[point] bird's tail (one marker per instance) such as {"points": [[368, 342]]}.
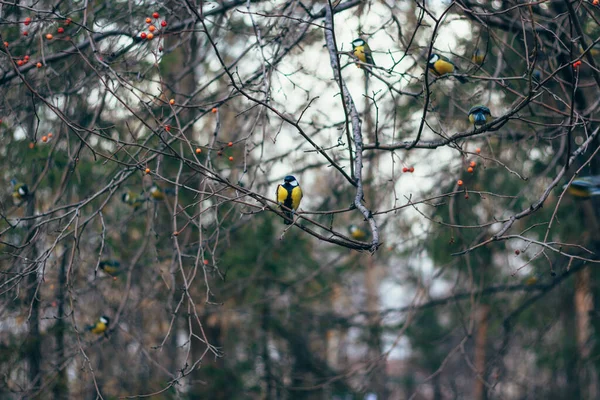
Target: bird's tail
{"points": [[169, 191], [289, 219]]}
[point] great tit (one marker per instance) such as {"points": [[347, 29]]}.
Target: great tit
{"points": [[362, 51], [478, 57], [584, 187], [99, 326], [479, 115], [132, 199], [357, 233], [159, 194], [111, 267], [440, 65], [20, 191], [289, 195]]}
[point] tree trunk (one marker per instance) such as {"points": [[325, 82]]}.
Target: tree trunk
{"points": [[480, 345], [60, 390]]}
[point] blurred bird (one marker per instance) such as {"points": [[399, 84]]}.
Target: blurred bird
{"points": [[478, 57], [357, 233], [111, 267], [159, 194], [133, 200], [362, 51], [584, 187], [530, 281], [20, 191], [289, 195], [99, 326], [479, 115], [440, 65], [536, 75]]}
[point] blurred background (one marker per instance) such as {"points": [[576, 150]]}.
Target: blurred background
{"points": [[142, 252]]}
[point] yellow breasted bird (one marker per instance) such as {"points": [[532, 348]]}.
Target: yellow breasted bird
{"points": [[478, 57], [99, 326], [159, 194], [440, 65], [20, 191], [111, 267], [357, 233], [289, 195], [584, 187], [362, 51], [479, 115], [132, 199]]}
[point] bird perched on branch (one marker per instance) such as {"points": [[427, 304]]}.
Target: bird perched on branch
{"points": [[478, 57], [99, 326], [289, 195], [357, 233], [362, 51], [20, 191], [132, 199], [584, 187], [479, 115], [440, 65], [159, 194], [111, 267]]}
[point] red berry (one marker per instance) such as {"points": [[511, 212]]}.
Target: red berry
{"points": [[517, 252], [25, 33], [411, 169], [148, 20], [163, 24], [460, 182], [20, 62], [404, 169], [68, 21], [230, 158], [61, 30], [205, 262], [39, 65], [151, 28], [27, 21], [214, 110], [470, 170], [143, 35], [49, 36], [230, 144], [168, 128], [219, 153], [150, 36], [155, 15], [472, 164], [5, 44], [478, 150]]}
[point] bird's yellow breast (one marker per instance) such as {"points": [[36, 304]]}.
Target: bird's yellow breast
{"points": [[296, 197], [578, 192], [100, 327], [359, 52], [441, 67]]}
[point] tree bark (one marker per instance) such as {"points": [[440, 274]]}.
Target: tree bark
{"points": [[480, 355]]}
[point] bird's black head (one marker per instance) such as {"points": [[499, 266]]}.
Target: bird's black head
{"points": [[104, 319], [433, 59], [357, 42], [290, 180]]}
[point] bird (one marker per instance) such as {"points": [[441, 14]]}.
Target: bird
{"points": [[99, 326], [478, 57], [357, 233], [133, 200], [111, 267], [159, 194], [20, 191], [362, 51], [479, 115], [584, 187], [289, 195], [440, 65]]}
